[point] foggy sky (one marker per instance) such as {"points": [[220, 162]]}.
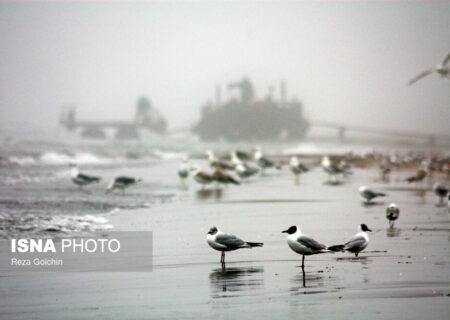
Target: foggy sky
{"points": [[347, 62]]}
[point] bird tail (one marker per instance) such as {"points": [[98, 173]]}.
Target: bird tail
{"points": [[235, 181], [411, 179], [96, 179], [337, 248], [381, 194], [255, 244]]}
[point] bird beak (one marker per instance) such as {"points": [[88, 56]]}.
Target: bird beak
{"points": [[285, 231], [369, 230]]}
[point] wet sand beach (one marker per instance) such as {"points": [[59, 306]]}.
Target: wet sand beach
{"points": [[403, 273]]}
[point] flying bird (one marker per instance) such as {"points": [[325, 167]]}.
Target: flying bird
{"points": [[392, 214], [357, 243], [442, 69], [81, 179], [302, 244], [121, 183], [221, 241]]}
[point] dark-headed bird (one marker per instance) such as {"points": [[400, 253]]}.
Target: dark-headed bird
{"points": [[441, 191], [302, 244], [81, 179], [221, 241], [357, 243], [121, 183]]}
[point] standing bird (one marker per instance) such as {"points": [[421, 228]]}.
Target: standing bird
{"points": [[201, 177], [221, 241], [441, 191], [81, 179], [218, 164], [302, 244], [442, 69], [243, 170], [262, 161], [357, 243], [121, 183], [418, 177], [297, 168], [368, 194], [183, 171], [392, 214], [330, 168]]}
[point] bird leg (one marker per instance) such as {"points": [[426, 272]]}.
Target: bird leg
{"points": [[303, 262], [222, 258], [297, 179]]}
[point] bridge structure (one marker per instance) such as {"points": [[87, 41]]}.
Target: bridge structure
{"points": [[343, 129]]}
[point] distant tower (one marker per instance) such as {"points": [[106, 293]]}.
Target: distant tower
{"points": [[218, 95], [283, 93], [142, 111]]}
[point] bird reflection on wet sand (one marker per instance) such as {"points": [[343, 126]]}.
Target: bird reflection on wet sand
{"points": [[393, 232], [209, 194], [307, 280], [225, 281]]}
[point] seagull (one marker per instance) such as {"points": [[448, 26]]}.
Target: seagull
{"points": [[330, 168], [216, 163], [121, 183], [368, 194], [441, 191], [442, 69], [418, 177], [81, 179], [223, 177], [297, 168], [385, 170], [201, 177], [357, 243], [221, 241], [243, 170], [183, 171], [392, 213], [303, 244], [262, 161]]}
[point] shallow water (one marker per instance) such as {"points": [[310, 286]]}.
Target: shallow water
{"points": [[404, 272]]}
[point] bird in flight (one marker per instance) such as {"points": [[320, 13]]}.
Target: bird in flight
{"points": [[442, 69]]}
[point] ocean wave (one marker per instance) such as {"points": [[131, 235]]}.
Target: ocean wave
{"points": [[51, 226], [53, 158]]}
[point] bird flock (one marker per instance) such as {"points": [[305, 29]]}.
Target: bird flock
{"points": [[336, 171]]}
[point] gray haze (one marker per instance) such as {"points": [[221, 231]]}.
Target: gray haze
{"points": [[348, 62]]}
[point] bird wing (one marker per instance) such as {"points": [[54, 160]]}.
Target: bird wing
{"points": [[230, 241], [87, 178], [125, 180], [310, 243], [420, 76], [355, 242], [446, 60]]}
